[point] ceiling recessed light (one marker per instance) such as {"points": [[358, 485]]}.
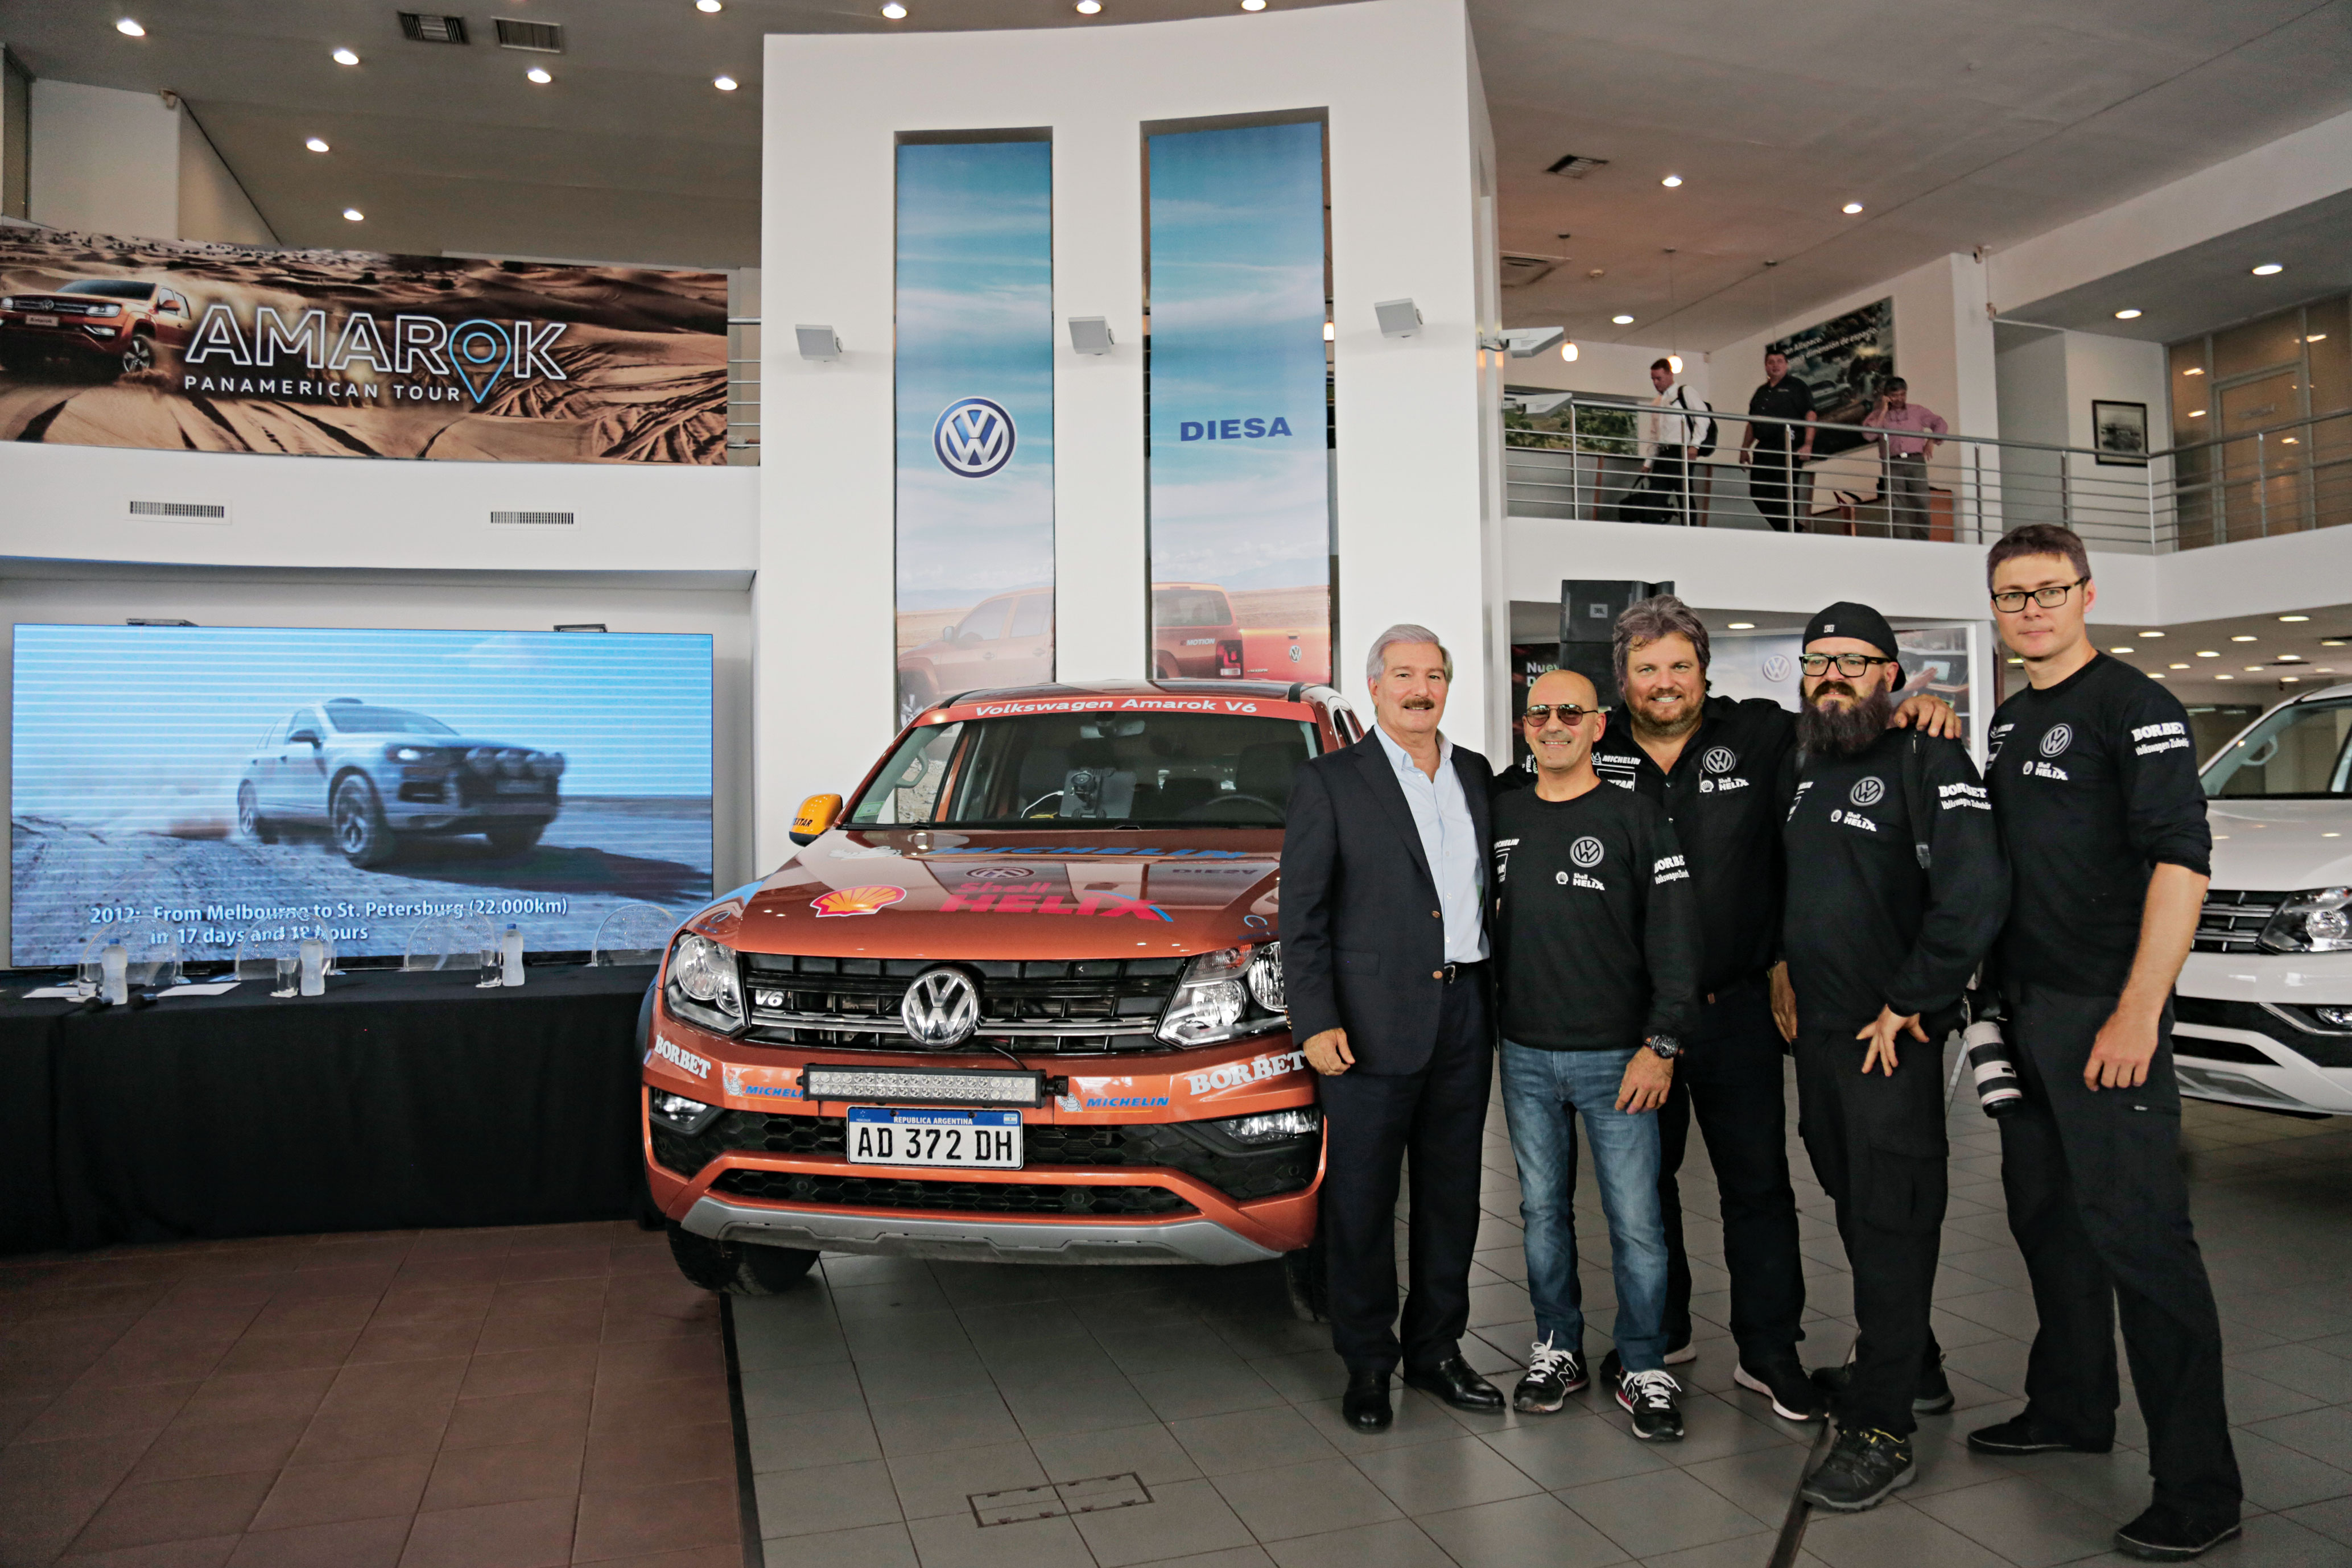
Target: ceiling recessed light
{"points": [[2331, 642], [2290, 659], [2295, 617], [895, 11], [130, 29], [2243, 636], [2017, 661], [2156, 675], [2130, 315], [2123, 650], [2176, 666], [1088, 7], [1743, 626], [1252, 5], [345, 58], [1671, 181], [1851, 208], [723, 83], [2225, 678], [2253, 670], [2268, 269], [2290, 681], [316, 144], [353, 215], [1623, 321], [2151, 633], [708, 7], [2194, 370], [2207, 652], [539, 74]]}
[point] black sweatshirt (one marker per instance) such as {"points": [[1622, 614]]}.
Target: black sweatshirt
{"points": [[1866, 924], [1724, 800], [2094, 785], [1596, 922]]}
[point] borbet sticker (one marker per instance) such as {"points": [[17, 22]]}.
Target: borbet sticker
{"points": [[684, 1060], [747, 1082], [1232, 1074], [982, 898], [866, 900]]}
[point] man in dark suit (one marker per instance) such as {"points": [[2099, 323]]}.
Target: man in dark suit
{"points": [[1383, 835]]}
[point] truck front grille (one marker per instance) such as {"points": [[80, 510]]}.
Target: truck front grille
{"points": [[965, 1197], [2232, 920], [1088, 1005]]}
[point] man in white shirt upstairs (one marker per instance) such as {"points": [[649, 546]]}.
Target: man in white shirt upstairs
{"points": [[1668, 446]]}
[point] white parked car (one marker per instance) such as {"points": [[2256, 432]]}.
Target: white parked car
{"points": [[2264, 1010]]}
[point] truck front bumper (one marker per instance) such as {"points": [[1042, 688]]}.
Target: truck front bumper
{"points": [[973, 1239]]}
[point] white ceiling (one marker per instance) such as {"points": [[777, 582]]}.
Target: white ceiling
{"points": [[1962, 124]]}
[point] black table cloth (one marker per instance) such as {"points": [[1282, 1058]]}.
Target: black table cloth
{"points": [[393, 1101], [29, 1219]]}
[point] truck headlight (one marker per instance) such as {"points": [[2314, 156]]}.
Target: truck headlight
{"points": [[1227, 996], [702, 985], [2314, 920]]}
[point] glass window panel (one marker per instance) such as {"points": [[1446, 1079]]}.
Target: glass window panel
{"points": [[2257, 345]]}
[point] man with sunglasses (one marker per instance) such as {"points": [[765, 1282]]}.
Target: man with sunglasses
{"points": [[2094, 787], [1597, 947], [1896, 892]]}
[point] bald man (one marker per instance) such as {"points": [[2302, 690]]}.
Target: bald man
{"points": [[1597, 945]]}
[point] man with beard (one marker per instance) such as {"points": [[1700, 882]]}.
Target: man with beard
{"points": [[1896, 890], [1716, 766]]}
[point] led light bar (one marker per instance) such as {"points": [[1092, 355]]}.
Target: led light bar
{"points": [[924, 1086]]}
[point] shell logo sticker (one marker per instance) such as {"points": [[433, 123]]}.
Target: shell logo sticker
{"points": [[864, 901]]}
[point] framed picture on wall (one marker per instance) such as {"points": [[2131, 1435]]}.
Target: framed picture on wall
{"points": [[2119, 434]]}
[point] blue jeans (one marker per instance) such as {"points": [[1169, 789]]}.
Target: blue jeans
{"points": [[1543, 1092]]}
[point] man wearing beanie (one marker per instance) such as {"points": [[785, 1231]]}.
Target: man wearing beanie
{"points": [[1896, 890]]}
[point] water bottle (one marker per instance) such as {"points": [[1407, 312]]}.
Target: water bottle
{"points": [[114, 964], [510, 956], [314, 966]]}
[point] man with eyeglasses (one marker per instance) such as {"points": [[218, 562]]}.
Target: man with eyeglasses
{"points": [[1896, 891], [1597, 949], [2094, 787]]}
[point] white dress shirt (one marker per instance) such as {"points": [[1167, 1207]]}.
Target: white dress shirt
{"points": [[1449, 839]]}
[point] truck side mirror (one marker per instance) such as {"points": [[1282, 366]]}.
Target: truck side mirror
{"points": [[818, 813]]}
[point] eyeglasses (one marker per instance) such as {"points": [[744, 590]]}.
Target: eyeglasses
{"points": [[1541, 713], [2011, 601], [1847, 663]]}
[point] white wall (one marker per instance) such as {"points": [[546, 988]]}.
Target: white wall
{"points": [[2047, 383], [212, 205], [1396, 79], [104, 160]]}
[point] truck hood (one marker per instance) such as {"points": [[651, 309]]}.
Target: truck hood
{"points": [[941, 894], [2281, 846]]}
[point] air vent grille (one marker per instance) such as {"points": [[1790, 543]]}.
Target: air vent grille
{"points": [[530, 518], [1518, 271], [421, 27], [543, 38], [180, 510], [1575, 166]]}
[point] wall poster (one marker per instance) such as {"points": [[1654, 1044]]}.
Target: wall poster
{"points": [[1844, 359], [975, 416], [1240, 497], [189, 345]]}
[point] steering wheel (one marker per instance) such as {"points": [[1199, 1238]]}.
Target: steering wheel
{"points": [[1226, 800], [1050, 795]]}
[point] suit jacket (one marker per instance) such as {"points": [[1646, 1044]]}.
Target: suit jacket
{"points": [[1360, 950]]}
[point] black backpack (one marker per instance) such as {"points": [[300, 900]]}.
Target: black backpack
{"points": [[1682, 401]]}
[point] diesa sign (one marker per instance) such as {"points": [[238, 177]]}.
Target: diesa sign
{"points": [[1231, 430]]}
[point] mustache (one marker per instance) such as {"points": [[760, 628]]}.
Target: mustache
{"points": [[1830, 689], [1416, 704]]}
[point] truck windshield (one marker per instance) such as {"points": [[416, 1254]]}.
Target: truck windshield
{"points": [[1105, 769], [110, 288], [360, 718], [2301, 753]]}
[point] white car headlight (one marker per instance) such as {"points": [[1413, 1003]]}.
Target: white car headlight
{"points": [[2318, 919], [1227, 996], [703, 985]]}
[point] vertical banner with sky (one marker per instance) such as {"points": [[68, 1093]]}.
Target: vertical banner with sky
{"points": [[975, 416], [1240, 493]]}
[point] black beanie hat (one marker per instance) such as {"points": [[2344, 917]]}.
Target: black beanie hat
{"points": [[1848, 619]]}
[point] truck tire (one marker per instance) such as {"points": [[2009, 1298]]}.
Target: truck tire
{"points": [[1305, 1272], [355, 818], [737, 1268]]}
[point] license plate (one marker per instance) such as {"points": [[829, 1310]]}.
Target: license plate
{"points": [[967, 1139], [40, 321]]}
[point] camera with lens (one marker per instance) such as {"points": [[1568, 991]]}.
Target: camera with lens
{"points": [[1988, 1056]]}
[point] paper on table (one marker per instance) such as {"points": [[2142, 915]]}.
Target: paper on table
{"points": [[214, 989], [39, 993]]}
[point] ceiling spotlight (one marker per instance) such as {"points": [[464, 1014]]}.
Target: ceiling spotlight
{"points": [[2156, 675], [708, 7], [130, 29], [2331, 642], [1851, 208], [352, 214], [1088, 7], [2295, 617], [1623, 321], [2268, 269], [2207, 652], [1329, 332], [895, 11], [1568, 352], [2123, 650], [1252, 5], [2151, 633], [345, 58], [2243, 636], [316, 144], [1743, 626], [1674, 364], [539, 74], [723, 83], [2130, 315], [1671, 181], [2225, 678], [2176, 666]]}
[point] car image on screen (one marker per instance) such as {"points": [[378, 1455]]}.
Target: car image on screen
{"points": [[371, 774]]}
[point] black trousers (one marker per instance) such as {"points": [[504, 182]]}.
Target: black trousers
{"points": [[2098, 1206], [1433, 1121], [1663, 496], [1878, 1149], [1769, 484], [1730, 1076]]}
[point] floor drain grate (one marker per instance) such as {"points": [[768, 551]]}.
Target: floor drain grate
{"points": [[1093, 1495]]}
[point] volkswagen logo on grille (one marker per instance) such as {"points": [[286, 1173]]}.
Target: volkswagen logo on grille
{"points": [[941, 1007], [973, 438]]}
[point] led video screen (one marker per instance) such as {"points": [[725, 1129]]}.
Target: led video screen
{"points": [[261, 784]]}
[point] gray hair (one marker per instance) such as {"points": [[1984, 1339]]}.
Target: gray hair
{"points": [[1402, 632], [1647, 620]]}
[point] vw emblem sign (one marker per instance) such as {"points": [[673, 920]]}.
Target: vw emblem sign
{"points": [[973, 438], [2057, 739], [941, 1007]]}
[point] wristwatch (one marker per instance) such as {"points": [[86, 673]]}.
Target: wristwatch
{"points": [[1664, 1047]]}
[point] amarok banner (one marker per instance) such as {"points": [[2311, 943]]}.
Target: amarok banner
{"points": [[188, 345]]}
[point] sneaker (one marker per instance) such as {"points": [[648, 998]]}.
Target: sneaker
{"points": [[1653, 1399], [1793, 1397], [1682, 1354], [1554, 1372], [2029, 1433], [2163, 1535], [1934, 1398], [1865, 1465]]}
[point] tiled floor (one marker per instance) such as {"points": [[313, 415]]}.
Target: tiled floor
{"points": [[880, 1398], [452, 1399]]}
